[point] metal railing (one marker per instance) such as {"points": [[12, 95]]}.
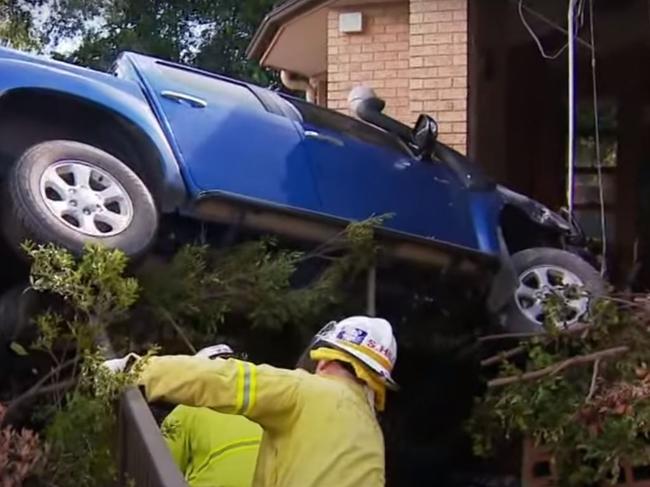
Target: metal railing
{"points": [[144, 459]]}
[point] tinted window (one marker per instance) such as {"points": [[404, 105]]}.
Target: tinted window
{"points": [[198, 83], [331, 120]]}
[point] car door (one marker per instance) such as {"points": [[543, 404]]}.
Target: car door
{"points": [[362, 171], [228, 142]]}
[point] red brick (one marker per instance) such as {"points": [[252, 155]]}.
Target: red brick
{"points": [[437, 17], [460, 60], [424, 72], [373, 47], [416, 40], [397, 83], [383, 74], [451, 71], [459, 82], [344, 76], [438, 38], [456, 26], [362, 57], [452, 93], [452, 4], [453, 116], [371, 66], [397, 66], [437, 83], [438, 60], [429, 50], [398, 28], [422, 28], [397, 46], [384, 38], [459, 128], [386, 56]]}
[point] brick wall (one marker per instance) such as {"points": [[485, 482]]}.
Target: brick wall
{"points": [[438, 65], [414, 54], [377, 57]]}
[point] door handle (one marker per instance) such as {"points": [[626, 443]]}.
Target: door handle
{"points": [[312, 134], [193, 101]]}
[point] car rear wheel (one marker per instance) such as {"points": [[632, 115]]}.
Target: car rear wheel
{"points": [[71, 194], [545, 274]]}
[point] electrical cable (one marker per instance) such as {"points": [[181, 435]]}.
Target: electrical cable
{"points": [[599, 166], [579, 16], [530, 30]]}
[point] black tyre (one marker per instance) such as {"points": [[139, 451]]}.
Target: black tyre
{"points": [[71, 194], [542, 271], [18, 306]]}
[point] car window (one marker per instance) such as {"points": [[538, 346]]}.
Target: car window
{"points": [[328, 119], [200, 83]]}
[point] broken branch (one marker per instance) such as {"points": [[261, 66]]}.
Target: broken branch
{"points": [[500, 357], [505, 336], [506, 354], [34, 392], [557, 368], [594, 378], [179, 331]]}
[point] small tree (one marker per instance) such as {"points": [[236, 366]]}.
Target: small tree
{"points": [[198, 292]]}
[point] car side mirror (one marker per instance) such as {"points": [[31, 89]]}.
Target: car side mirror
{"points": [[425, 134]]}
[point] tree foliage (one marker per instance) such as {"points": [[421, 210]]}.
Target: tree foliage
{"points": [[210, 34], [582, 393], [248, 287], [254, 283], [17, 23]]}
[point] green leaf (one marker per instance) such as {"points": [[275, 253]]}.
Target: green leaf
{"points": [[18, 349]]}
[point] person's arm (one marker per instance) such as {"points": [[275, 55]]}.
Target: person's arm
{"points": [[264, 394], [174, 429]]}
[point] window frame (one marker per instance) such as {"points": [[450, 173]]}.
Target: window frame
{"points": [[394, 143], [213, 76]]}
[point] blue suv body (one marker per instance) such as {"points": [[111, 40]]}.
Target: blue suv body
{"points": [[217, 149]]}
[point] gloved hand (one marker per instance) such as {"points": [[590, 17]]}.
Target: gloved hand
{"points": [[117, 365]]}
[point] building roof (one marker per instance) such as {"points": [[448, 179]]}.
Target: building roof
{"points": [[280, 14]]}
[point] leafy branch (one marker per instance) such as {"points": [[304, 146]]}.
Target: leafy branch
{"points": [[591, 419], [558, 367]]}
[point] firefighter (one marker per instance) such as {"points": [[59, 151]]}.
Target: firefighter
{"points": [[213, 449], [320, 429]]}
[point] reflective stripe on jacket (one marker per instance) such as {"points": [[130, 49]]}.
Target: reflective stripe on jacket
{"points": [[319, 431], [213, 449]]}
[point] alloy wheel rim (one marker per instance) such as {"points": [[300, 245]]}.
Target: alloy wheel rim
{"points": [[86, 198], [537, 284]]}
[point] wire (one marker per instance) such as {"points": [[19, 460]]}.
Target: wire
{"points": [[579, 16], [599, 165], [530, 30]]}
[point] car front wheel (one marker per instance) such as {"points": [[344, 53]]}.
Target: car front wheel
{"points": [[547, 275], [71, 194]]}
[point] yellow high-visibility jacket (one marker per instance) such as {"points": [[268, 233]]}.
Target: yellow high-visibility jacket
{"points": [[319, 431], [213, 449]]}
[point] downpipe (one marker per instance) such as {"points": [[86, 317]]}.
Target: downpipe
{"points": [[298, 83]]}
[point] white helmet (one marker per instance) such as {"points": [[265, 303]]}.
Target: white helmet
{"points": [[215, 351], [368, 339]]}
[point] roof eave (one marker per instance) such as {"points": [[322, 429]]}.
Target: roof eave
{"points": [[272, 23]]}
